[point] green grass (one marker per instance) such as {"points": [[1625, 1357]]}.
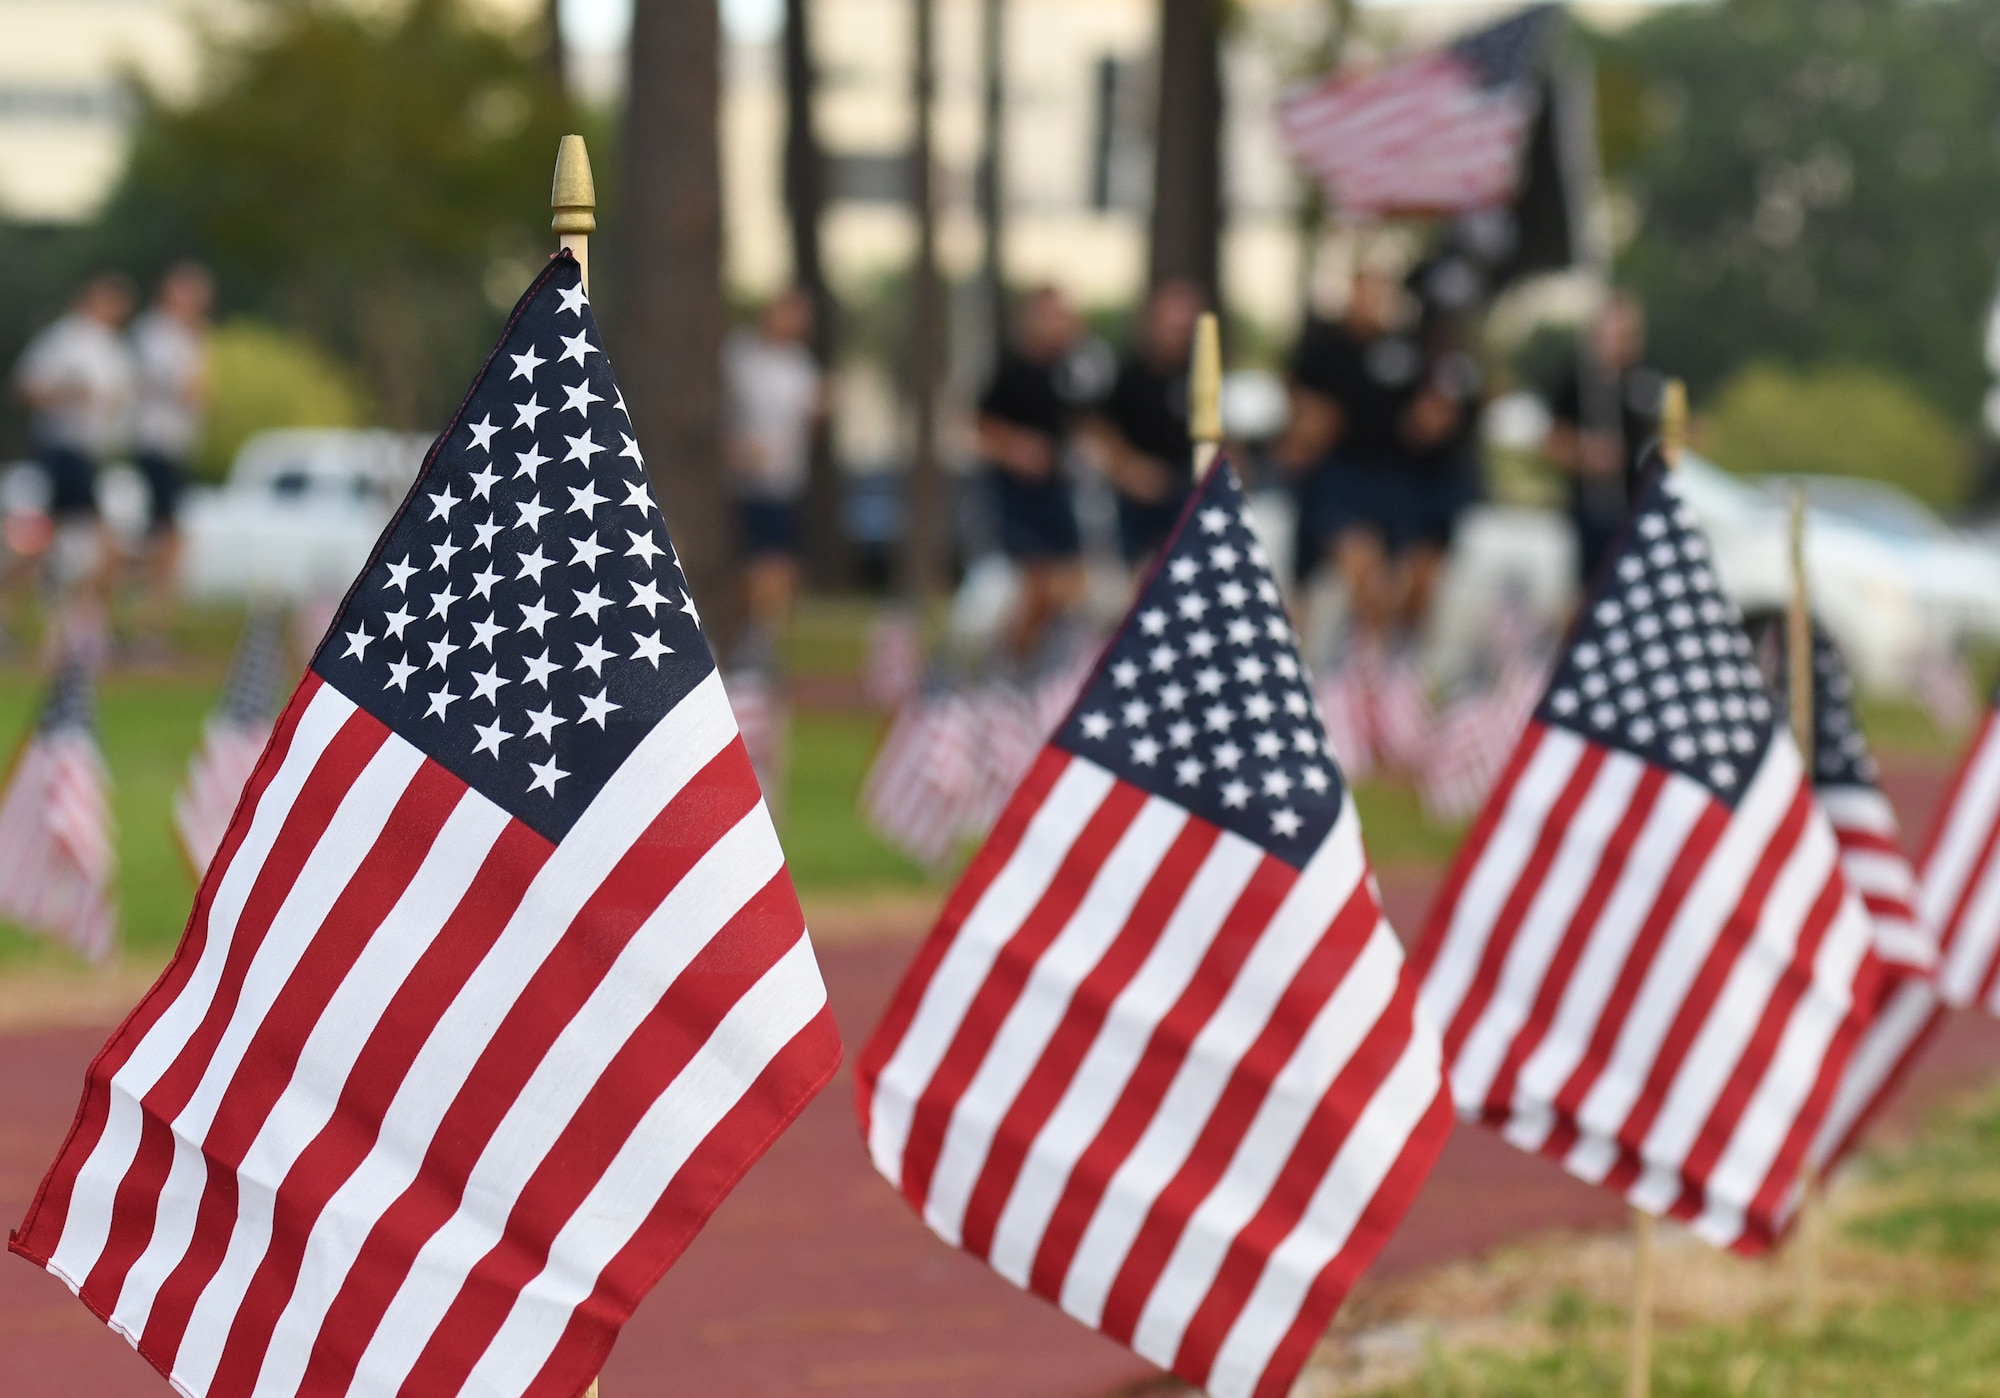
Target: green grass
{"points": [[1921, 1247]]}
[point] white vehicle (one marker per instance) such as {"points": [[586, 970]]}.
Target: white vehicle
{"points": [[298, 515], [1894, 583]]}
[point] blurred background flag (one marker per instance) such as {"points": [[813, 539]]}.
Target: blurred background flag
{"points": [[56, 852], [1646, 961], [233, 739], [498, 982], [1872, 858], [1959, 881], [1442, 132], [1159, 1061]]}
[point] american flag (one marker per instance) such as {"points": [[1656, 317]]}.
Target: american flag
{"points": [[497, 982], [56, 853], [1959, 876], [1159, 1061], [757, 699], [1442, 132], [233, 739], [1871, 856], [1645, 960]]}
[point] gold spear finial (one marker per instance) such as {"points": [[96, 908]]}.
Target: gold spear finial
{"points": [[574, 202], [1205, 382], [1673, 420]]}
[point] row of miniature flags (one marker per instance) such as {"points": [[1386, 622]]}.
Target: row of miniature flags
{"points": [[496, 980]]}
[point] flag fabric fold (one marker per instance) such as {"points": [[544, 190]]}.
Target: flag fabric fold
{"points": [[497, 981], [1159, 1061], [1645, 961], [57, 856], [1870, 839], [1959, 876]]}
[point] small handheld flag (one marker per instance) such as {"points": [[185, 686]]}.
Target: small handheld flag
{"points": [[56, 853], [233, 740], [1871, 857], [497, 982], [1159, 1061], [1646, 962]]}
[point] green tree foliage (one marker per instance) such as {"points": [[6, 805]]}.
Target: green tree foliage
{"points": [[261, 377], [1815, 181], [372, 177], [1843, 420]]}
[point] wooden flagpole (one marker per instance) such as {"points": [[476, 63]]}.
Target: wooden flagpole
{"points": [[573, 203], [1205, 394], [1645, 1263], [1799, 671]]}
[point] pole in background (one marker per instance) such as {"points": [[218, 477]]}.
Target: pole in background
{"points": [[1645, 1260], [1205, 394], [1799, 672], [573, 201], [924, 529]]}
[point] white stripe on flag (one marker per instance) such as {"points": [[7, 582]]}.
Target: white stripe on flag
{"points": [[993, 921], [1024, 1034]]}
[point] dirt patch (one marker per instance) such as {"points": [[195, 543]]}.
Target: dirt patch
{"points": [[61, 998], [872, 918]]}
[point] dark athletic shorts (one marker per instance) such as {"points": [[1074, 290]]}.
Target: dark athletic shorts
{"points": [[165, 478], [768, 527], [1037, 518], [72, 480]]}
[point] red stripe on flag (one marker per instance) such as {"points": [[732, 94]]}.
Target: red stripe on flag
{"points": [[1527, 887], [1576, 939], [358, 740], [752, 1123], [268, 1061], [985, 867], [1315, 982], [39, 1233], [372, 1083], [1157, 1067], [674, 1030], [699, 814], [1056, 1068], [1002, 986]]}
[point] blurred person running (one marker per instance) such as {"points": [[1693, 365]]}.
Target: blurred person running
{"points": [[1599, 436], [1141, 425], [77, 379], [170, 354], [776, 396], [1352, 382], [1025, 418], [1440, 430]]}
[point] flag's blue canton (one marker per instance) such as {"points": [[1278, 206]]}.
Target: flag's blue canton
{"points": [[1840, 754], [1511, 50], [71, 701], [1201, 698], [1659, 664], [524, 622]]}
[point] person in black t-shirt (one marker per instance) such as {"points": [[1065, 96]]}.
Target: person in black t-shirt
{"points": [[1142, 424], [1024, 423], [1599, 436], [1440, 465], [1352, 384]]}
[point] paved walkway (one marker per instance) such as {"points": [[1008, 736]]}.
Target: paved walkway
{"points": [[813, 1278]]}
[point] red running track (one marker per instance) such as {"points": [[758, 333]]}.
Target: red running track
{"points": [[814, 1278]]}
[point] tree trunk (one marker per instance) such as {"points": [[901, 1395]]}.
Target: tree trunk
{"points": [[555, 54], [993, 170], [1187, 157], [805, 205], [926, 533], [668, 291]]}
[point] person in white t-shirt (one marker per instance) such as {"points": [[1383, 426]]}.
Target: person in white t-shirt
{"points": [[776, 398], [170, 353], [76, 377]]}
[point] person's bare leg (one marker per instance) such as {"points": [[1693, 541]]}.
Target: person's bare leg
{"points": [[1363, 565], [1422, 566], [770, 582]]}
